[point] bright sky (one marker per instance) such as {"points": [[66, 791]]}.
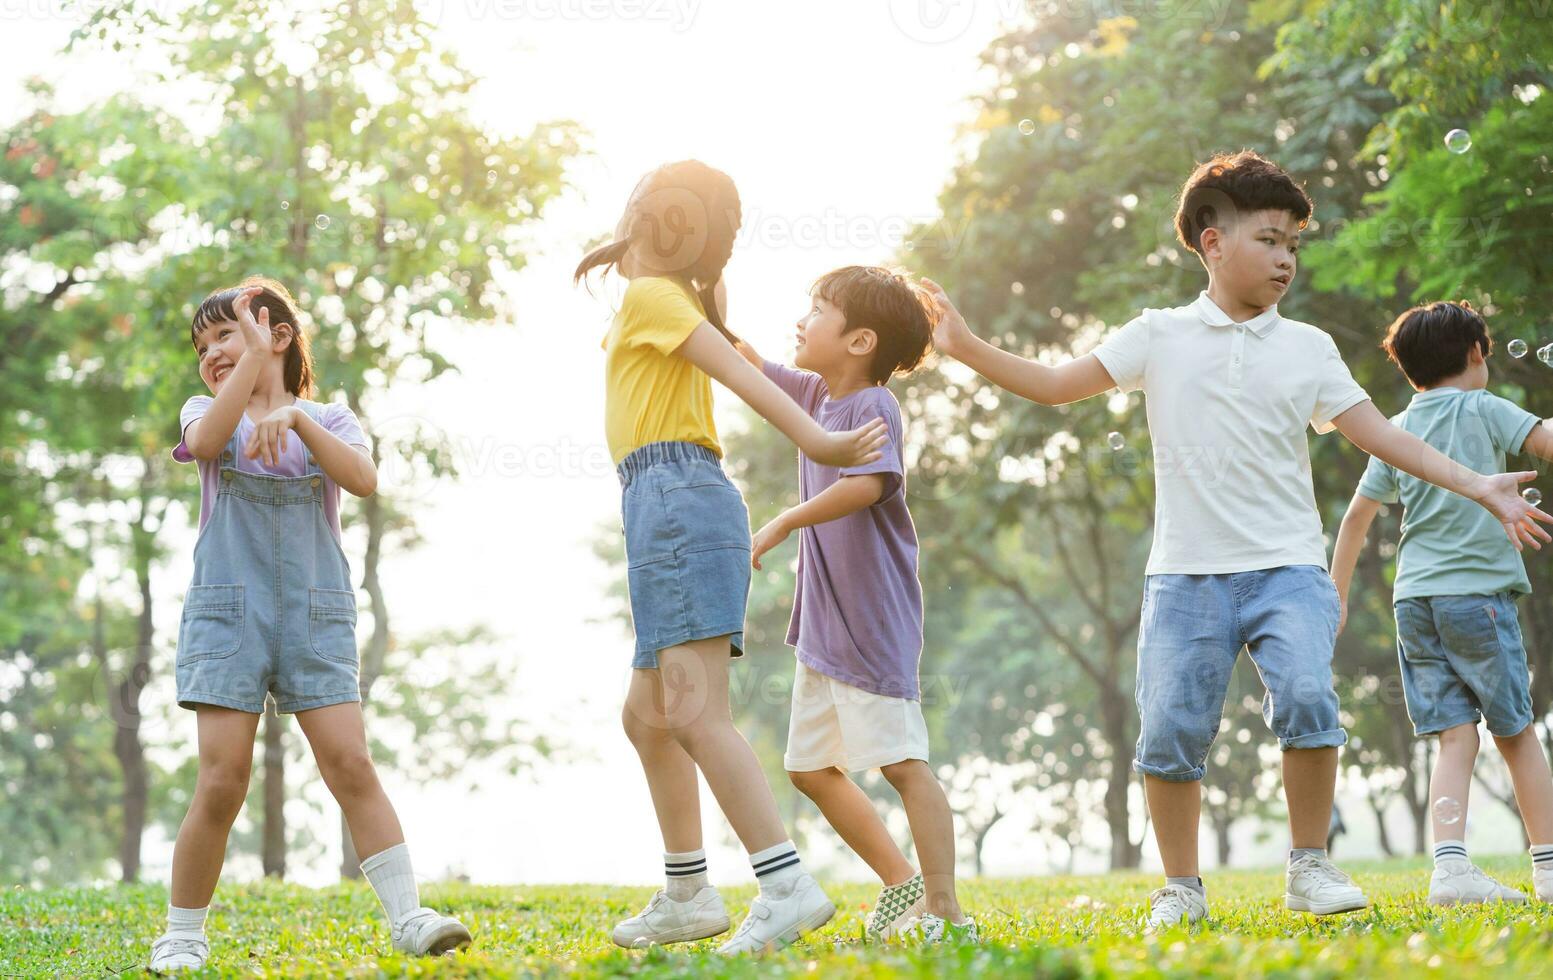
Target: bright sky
{"points": [[839, 123]]}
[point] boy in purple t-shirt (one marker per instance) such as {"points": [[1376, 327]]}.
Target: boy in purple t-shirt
{"points": [[857, 612]]}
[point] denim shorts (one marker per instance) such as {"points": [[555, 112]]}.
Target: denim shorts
{"points": [[1463, 659], [1192, 630], [687, 538]]}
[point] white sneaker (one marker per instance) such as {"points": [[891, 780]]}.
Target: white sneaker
{"points": [[773, 923], [174, 952], [427, 932], [1542, 883], [1315, 885], [666, 921], [930, 928], [1169, 905], [1457, 881]]}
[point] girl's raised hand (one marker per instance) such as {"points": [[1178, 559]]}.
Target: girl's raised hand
{"points": [[855, 448], [256, 334], [951, 330], [269, 436]]}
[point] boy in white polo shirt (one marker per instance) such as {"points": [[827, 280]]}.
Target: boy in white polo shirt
{"points": [[1238, 558]]}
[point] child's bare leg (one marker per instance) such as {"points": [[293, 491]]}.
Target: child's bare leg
{"points": [[694, 681], [1309, 780], [932, 830], [338, 738], [1533, 782], [849, 810], [1176, 809], [1452, 779], [225, 758], [671, 773]]}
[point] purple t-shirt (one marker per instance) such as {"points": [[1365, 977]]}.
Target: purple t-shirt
{"points": [[857, 611], [335, 418]]}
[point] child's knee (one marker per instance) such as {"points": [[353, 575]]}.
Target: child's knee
{"points": [[349, 772], [221, 789], [1462, 738], [812, 781], [906, 773]]}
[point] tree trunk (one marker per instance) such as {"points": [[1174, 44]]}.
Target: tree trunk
{"points": [[1113, 726], [1222, 824], [1378, 805], [273, 854]]}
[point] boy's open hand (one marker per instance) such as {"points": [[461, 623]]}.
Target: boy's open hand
{"points": [[1502, 496], [854, 448], [767, 538], [951, 331], [256, 335]]}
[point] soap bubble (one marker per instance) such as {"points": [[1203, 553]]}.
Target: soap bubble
{"points": [[1447, 810], [1545, 355], [1516, 348], [1458, 141], [490, 176], [1116, 441], [1026, 126], [285, 205], [321, 222], [1532, 496]]}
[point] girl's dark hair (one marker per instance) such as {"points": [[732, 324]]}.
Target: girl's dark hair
{"points": [[1430, 342], [899, 312], [684, 215], [1230, 185], [218, 308]]}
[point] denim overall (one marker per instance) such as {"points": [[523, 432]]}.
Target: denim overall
{"points": [[270, 609]]}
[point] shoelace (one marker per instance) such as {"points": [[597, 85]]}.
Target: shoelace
{"points": [[1169, 900], [1325, 871], [173, 945]]}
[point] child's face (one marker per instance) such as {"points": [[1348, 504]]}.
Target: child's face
{"points": [[822, 345], [218, 347], [1255, 257]]}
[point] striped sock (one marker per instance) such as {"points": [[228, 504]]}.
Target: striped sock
{"points": [[686, 874], [777, 868], [1542, 857], [1449, 850]]}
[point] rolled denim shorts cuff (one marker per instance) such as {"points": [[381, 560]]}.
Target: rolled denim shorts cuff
{"points": [[1435, 727], [1515, 729], [1316, 740], [1189, 776]]}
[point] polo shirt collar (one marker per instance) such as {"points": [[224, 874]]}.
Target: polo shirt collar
{"points": [[1262, 324]]}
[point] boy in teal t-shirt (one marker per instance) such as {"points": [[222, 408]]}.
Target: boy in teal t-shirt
{"points": [[1457, 582]]}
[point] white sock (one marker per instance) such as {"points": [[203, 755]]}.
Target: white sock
{"points": [[1542, 857], [777, 869], [1450, 850], [685, 873], [391, 877], [186, 922]]}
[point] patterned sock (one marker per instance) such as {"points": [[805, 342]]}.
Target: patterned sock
{"points": [[685, 872], [1449, 850], [777, 869], [1193, 882], [1542, 857], [892, 903], [1298, 852], [186, 922], [392, 878]]}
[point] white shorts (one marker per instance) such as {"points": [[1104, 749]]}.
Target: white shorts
{"points": [[838, 725]]}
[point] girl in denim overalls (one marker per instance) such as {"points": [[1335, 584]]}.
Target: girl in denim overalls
{"points": [[687, 540], [271, 611]]}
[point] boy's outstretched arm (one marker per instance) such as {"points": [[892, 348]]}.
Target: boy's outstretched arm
{"points": [[1366, 428], [1071, 381], [1350, 541], [1540, 441], [846, 496]]}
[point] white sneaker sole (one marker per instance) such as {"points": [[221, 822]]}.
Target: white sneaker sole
{"points": [[1447, 902], [684, 934], [1299, 903], [448, 939]]}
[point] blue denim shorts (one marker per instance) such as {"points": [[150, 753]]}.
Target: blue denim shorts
{"points": [[1192, 630], [1463, 659], [687, 537]]}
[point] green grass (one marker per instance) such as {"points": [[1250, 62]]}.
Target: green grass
{"points": [[1062, 927]]}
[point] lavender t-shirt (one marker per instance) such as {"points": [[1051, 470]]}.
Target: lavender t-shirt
{"points": [[335, 418], [857, 611]]}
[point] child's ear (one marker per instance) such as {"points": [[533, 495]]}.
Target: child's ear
{"points": [[280, 336], [862, 341], [1211, 243]]}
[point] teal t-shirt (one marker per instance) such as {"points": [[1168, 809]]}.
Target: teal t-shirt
{"points": [[1452, 545]]}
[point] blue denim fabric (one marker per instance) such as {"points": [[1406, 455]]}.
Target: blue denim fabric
{"points": [[1463, 659]]}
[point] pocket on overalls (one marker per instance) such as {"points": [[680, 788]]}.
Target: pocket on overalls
{"points": [[212, 624], [331, 624]]}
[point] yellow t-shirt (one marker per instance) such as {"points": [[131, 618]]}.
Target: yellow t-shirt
{"points": [[650, 395]]}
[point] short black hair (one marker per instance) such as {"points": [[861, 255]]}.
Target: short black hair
{"points": [[1430, 342], [900, 312], [1231, 184]]}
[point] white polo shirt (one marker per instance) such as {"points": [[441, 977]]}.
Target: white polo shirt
{"points": [[1227, 405]]}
